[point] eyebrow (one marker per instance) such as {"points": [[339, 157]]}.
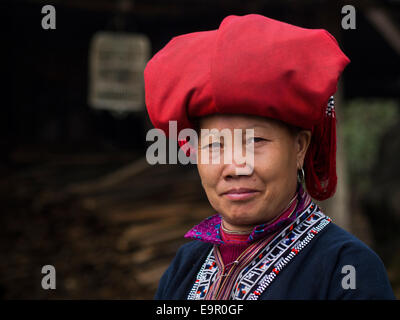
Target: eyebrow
{"points": [[247, 127], [252, 126], [268, 126], [209, 132]]}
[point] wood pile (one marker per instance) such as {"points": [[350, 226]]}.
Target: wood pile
{"points": [[110, 227]]}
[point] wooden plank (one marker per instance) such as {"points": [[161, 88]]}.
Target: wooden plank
{"points": [[134, 233], [151, 212], [165, 236], [151, 277]]}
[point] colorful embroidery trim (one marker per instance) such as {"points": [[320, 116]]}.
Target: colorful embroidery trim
{"points": [[251, 278]]}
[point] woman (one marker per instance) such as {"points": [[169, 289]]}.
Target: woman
{"points": [[268, 239]]}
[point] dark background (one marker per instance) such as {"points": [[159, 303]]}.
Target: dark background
{"points": [[74, 190]]}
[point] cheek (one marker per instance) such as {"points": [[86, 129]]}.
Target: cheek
{"points": [[274, 163], [209, 175]]}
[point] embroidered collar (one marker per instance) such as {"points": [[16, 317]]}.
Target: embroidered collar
{"points": [[209, 229]]}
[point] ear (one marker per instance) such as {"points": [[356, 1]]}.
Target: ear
{"points": [[302, 141]]}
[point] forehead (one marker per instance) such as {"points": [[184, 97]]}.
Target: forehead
{"points": [[224, 121]]}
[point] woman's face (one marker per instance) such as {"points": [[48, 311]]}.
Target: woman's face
{"points": [[260, 195]]}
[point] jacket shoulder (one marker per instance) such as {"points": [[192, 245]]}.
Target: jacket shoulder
{"points": [[176, 280], [355, 270]]}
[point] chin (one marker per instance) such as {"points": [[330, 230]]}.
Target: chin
{"points": [[241, 218]]}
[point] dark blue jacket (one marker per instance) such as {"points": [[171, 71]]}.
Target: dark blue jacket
{"points": [[315, 273]]}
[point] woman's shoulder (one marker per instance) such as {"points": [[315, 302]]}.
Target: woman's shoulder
{"points": [[193, 248], [336, 243], [337, 239], [177, 279], [195, 245], [354, 269], [188, 255]]}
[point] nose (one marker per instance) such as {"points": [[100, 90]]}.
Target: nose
{"points": [[236, 170], [238, 165]]}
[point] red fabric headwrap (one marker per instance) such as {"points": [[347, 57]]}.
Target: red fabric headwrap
{"points": [[253, 65], [320, 160]]}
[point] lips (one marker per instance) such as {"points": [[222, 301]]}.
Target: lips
{"points": [[240, 194]]}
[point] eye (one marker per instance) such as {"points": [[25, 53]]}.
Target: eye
{"points": [[255, 140], [213, 145]]}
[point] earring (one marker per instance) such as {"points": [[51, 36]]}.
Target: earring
{"points": [[300, 175]]}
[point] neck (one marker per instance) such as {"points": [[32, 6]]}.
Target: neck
{"points": [[241, 231]]}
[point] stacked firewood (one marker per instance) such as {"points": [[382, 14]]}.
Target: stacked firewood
{"points": [[109, 235]]}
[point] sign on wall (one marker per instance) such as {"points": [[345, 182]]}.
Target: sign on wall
{"points": [[116, 64]]}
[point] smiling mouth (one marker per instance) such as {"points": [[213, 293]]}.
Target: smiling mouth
{"points": [[240, 194]]}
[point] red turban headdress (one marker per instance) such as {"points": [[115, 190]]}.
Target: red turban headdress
{"points": [[258, 66]]}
